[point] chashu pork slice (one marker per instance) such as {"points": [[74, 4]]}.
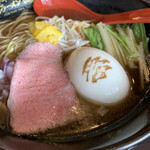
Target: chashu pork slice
{"points": [[41, 95]]}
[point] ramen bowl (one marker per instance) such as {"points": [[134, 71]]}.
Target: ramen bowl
{"points": [[127, 132]]}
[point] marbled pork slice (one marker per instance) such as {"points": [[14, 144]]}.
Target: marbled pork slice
{"points": [[41, 95]]}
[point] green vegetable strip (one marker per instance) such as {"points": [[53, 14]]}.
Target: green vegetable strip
{"points": [[119, 56], [126, 43], [140, 35], [126, 48], [143, 62], [122, 54], [131, 41], [109, 48], [94, 37]]}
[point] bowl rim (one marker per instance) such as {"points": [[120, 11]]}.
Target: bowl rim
{"points": [[132, 141]]}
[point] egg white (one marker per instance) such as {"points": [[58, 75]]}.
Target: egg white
{"points": [[103, 81]]}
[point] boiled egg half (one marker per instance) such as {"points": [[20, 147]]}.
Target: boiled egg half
{"points": [[97, 76]]}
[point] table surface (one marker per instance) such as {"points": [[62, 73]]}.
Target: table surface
{"points": [[143, 146]]}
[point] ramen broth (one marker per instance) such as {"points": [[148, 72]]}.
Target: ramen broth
{"points": [[96, 116]]}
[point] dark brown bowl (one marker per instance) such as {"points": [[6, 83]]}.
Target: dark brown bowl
{"points": [[127, 132]]}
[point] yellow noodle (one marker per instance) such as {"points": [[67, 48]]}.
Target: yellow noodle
{"points": [[13, 35]]}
